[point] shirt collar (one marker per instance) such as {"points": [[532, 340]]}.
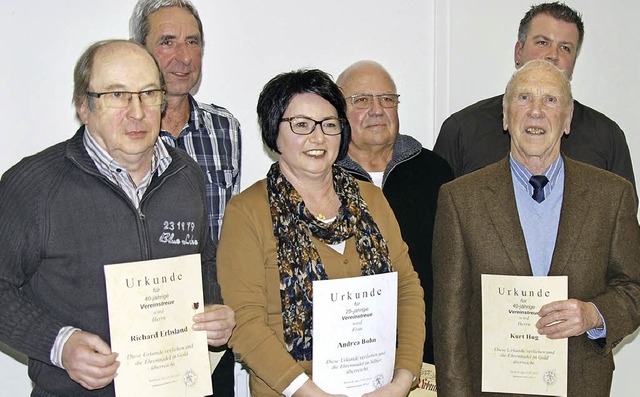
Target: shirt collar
{"points": [[105, 163], [522, 174], [194, 122], [195, 116]]}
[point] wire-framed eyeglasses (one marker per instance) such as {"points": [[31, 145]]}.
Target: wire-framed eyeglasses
{"points": [[365, 101], [122, 99], [301, 125]]}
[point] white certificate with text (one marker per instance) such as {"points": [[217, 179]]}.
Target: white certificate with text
{"points": [[151, 305], [515, 358], [354, 333]]}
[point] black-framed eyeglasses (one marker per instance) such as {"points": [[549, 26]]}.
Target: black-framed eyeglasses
{"points": [[301, 125], [365, 101], [122, 99]]}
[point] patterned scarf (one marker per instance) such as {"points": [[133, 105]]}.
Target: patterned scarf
{"points": [[298, 259]]}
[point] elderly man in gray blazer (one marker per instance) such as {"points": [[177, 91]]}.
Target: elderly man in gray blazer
{"points": [[537, 213]]}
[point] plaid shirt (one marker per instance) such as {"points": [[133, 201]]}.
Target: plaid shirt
{"points": [[212, 139]]}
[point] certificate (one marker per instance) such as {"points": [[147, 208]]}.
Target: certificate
{"points": [[151, 305], [515, 358], [354, 333]]}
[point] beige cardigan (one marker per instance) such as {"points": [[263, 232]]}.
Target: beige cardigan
{"points": [[249, 278]]}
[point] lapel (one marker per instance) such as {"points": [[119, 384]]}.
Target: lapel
{"points": [[576, 206], [501, 207]]}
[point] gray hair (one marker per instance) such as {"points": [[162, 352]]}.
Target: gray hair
{"points": [[139, 21], [537, 64]]}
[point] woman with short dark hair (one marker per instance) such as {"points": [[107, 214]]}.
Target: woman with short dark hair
{"points": [[308, 220]]}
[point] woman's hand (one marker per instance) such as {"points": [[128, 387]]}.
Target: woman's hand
{"points": [[399, 386], [310, 389]]}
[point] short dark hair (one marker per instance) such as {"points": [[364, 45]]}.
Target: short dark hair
{"points": [[278, 92], [557, 10]]}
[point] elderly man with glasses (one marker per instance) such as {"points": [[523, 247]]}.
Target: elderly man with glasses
{"points": [[104, 196], [408, 174]]}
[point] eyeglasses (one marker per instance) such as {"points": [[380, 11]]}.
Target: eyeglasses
{"points": [[305, 126], [365, 101], [122, 99]]}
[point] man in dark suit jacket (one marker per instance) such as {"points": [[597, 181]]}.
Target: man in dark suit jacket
{"points": [[581, 223]]}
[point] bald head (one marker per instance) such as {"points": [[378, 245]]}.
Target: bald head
{"points": [[84, 67], [372, 112], [362, 70], [542, 71]]}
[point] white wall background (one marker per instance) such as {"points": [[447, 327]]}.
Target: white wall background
{"points": [[444, 55]]}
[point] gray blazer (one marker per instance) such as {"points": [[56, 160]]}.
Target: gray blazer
{"points": [[477, 231]]}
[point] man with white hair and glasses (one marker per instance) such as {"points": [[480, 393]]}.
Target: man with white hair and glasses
{"points": [[408, 174]]}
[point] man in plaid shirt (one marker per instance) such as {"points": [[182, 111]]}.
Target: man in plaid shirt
{"points": [[172, 31]]}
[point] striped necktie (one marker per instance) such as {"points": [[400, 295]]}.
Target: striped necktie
{"points": [[538, 182]]}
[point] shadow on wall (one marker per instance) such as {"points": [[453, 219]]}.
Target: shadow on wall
{"points": [[627, 340], [16, 355]]}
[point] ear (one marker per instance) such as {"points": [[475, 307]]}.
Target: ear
{"points": [[517, 54], [82, 109], [567, 122], [505, 121]]}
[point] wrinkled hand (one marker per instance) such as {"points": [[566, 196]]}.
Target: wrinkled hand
{"points": [[218, 321], [89, 361], [310, 389], [568, 318], [399, 386]]}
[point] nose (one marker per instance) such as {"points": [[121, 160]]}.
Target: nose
{"points": [[135, 110], [552, 55], [375, 107], [535, 111], [317, 135], [183, 54]]}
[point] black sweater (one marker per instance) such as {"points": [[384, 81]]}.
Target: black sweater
{"points": [[411, 183], [61, 222]]}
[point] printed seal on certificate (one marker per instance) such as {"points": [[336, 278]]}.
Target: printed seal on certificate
{"points": [[190, 378], [549, 377], [378, 381]]}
